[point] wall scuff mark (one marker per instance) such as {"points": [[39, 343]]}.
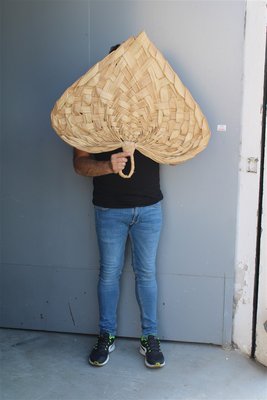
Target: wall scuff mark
{"points": [[241, 285], [71, 314]]}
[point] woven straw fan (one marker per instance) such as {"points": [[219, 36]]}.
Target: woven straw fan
{"points": [[132, 99]]}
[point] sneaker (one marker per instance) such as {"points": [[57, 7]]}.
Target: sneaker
{"points": [[100, 354], [150, 348]]}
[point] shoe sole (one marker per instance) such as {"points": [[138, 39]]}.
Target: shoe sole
{"points": [[142, 351], [97, 364]]}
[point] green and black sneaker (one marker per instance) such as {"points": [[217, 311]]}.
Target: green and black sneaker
{"points": [[150, 348], [100, 354]]}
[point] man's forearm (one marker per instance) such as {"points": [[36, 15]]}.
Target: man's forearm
{"points": [[89, 167]]}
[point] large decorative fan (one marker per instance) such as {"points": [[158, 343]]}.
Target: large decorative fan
{"points": [[132, 99]]}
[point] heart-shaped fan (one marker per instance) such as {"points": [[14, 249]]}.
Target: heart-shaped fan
{"points": [[132, 99]]}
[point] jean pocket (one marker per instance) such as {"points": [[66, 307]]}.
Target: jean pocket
{"points": [[156, 205], [101, 208]]}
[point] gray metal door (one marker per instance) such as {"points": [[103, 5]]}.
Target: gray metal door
{"points": [[49, 259]]}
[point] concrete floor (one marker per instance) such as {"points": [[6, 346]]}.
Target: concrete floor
{"points": [[53, 366]]}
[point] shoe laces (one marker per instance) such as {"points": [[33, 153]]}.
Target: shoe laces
{"points": [[104, 341], [152, 344]]}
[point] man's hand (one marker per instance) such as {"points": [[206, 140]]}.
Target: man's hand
{"points": [[85, 165], [118, 161]]}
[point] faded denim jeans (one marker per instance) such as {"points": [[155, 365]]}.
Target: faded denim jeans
{"points": [[113, 225]]}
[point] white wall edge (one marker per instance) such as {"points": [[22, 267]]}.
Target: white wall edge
{"points": [[261, 330], [253, 80]]}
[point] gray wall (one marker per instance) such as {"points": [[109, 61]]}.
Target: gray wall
{"points": [[49, 252]]}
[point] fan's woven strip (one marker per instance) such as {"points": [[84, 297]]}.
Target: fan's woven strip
{"points": [[133, 96]]}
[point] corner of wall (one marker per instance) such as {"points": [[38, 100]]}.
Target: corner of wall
{"points": [[246, 232]]}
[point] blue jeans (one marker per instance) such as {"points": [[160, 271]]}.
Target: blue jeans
{"points": [[113, 225]]}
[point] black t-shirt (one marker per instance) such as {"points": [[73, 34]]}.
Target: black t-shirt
{"points": [[142, 189]]}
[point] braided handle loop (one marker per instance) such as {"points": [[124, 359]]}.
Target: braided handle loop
{"points": [[129, 147], [131, 171]]}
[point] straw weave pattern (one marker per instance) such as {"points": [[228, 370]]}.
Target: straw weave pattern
{"points": [[132, 99]]}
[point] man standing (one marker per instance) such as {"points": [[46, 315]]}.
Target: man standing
{"points": [[125, 207]]}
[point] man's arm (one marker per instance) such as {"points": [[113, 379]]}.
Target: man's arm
{"points": [[85, 165]]}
